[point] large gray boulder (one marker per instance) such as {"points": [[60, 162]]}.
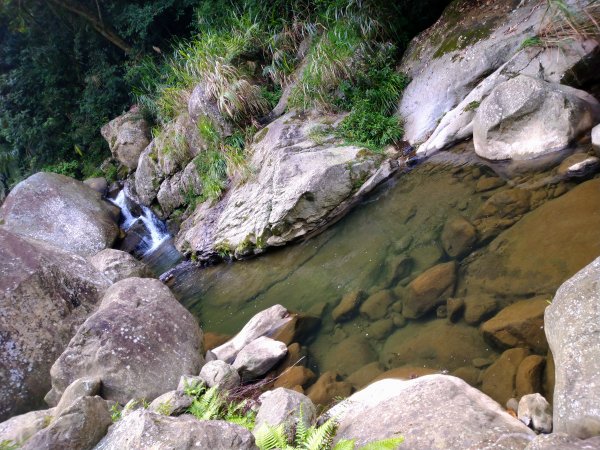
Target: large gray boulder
{"points": [[45, 294], [127, 136], [117, 265], [572, 324], [142, 430], [454, 65], [265, 323], [79, 427], [139, 343], [525, 118], [433, 411], [220, 373], [61, 211], [562, 441], [259, 356], [300, 178], [284, 406]]}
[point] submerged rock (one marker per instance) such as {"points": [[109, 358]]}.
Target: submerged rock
{"points": [[45, 294], [139, 342], [525, 118], [499, 380], [519, 325], [458, 237], [518, 265], [61, 211], [430, 289], [327, 388], [572, 324], [143, 429], [437, 411], [348, 306], [127, 136], [579, 165]]}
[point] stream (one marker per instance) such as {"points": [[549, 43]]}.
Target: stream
{"points": [[389, 240]]}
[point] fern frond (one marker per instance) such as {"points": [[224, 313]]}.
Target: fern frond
{"points": [[271, 438], [384, 444], [320, 438], [345, 444]]}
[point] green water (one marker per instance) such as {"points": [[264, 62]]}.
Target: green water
{"points": [[403, 220]]}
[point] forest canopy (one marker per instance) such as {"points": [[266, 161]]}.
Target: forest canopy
{"points": [[69, 66]]}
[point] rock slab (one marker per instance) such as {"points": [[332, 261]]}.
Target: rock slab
{"points": [[573, 332]]}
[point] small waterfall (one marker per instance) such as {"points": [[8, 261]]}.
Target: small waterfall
{"points": [[151, 231]]}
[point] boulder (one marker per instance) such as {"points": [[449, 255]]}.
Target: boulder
{"points": [[178, 189], [519, 325], [98, 184], [572, 325], [117, 265], [284, 406], [220, 373], [363, 376], [430, 289], [172, 403], [144, 429], [436, 344], [61, 211], [202, 106], [79, 427], [265, 323], [327, 388], [45, 294], [458, 237], [19, 429], [348, 306], [259, 356], [295, 376], [525, 117], [499, 380], [148, 175], [382, 328], [535, 412], [127, 136], [298, 186], [437, 411], [516, 266], [472, 48], [139, 327], [562, 441], [82, 387]]}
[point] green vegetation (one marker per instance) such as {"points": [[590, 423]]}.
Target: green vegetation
{"points": [[58, 88], [463, 38], [211, 404], [314, 438], [472, 106], [8, 445], [532, 41]]}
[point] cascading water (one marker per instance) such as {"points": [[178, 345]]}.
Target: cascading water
{"points": [[156, 231]]}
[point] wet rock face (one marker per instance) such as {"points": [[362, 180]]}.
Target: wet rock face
{"points": [[45, 294], [139, 327], [525, 117], [297, 186], [127, 136], [61, 211], [429, 405], [572, 324], [143, 429]]}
